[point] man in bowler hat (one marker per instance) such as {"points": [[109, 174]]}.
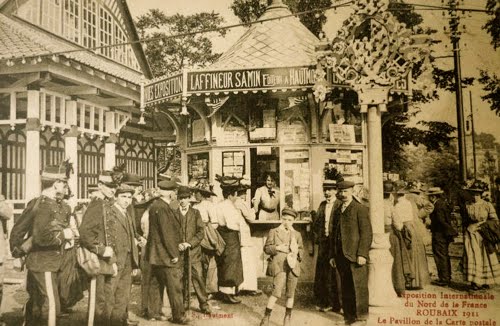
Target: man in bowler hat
{"points": [[350, 242]]}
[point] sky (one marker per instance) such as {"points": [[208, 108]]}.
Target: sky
{"points": [[476, 53]]}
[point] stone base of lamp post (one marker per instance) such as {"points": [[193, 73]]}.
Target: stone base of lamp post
{"points": [[380, 285]]}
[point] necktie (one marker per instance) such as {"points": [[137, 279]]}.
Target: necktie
{"points": [[271, 192]]}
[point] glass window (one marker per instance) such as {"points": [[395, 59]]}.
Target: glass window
{"points": [[341, 121], [4, 106], [120, 51], [51, 18], [233, 164], [198, 166], [297, 179], [89, 20], [72, 20], [106, 32], [30, 11]]}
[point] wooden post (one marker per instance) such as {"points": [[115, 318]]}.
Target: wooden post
{"points": [[33, 179]]}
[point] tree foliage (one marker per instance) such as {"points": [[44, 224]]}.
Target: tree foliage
{"points": [[250, 10], [171, 54], [491, 85], [492, 26], [486, 140]]}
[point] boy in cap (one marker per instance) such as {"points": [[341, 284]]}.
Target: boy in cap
{"points": [[46, 220], [284, 245]]}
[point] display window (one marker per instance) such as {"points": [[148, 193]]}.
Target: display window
{"points": [[198, 166], [297, 179], [341, 120], [348, 162], [233, 163]]}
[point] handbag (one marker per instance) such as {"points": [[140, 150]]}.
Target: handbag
{"points": [[212, 240], [88, 261]]}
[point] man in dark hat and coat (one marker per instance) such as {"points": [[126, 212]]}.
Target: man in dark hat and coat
{"points": [[350, 243], [192, 234], [45, 219], [326, 285], [162, 249]]}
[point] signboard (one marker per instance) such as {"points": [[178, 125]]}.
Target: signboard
{"points": [[250, 79], [162, 90]]}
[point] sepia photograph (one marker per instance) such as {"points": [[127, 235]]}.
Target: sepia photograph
{"points": [[249, 162]]}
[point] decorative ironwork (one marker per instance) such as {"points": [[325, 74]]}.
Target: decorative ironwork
{"points": [[371, 50]]}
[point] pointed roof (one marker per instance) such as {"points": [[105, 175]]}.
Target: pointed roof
{"points": [[276, 43]]}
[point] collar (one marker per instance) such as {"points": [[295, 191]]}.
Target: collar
{"points": [[166, 200], [347, 203], [120, 209]]}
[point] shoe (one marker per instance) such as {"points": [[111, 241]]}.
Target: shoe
{"points": [[474, 287], [183, 321], [485, 286], [440, 283], [234, 299], [206, 310], [325, 309], [287, 320], [265, 321]]}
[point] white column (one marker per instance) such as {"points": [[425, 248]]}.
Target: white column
{"points": [[380, 286], [32, 183], [110, 152]]}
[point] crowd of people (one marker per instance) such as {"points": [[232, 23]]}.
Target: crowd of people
{"points": [[415, 216], [177, 238]]}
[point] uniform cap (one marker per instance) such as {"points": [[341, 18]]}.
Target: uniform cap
{"points": [[106, 177], [54, 172]]}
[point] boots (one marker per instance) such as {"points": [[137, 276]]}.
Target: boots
{"points": [[265, 320], [288, 317]]}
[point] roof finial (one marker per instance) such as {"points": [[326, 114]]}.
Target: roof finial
{"points": [[276, 4]]}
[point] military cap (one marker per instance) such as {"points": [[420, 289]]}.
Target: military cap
{"points": [[106, 178]]}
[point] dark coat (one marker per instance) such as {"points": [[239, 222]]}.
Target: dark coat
{"points": [[276, 237], [356, 231], [95, 234], [165, 235], [50, 218], [193, 231], [441, 220], [124, 238]]}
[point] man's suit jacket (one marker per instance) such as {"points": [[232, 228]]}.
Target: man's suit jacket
{"points": [[193, 231], [124, 238], [355, 229], [165, 235], [319, 222], [441, 219], [95, 234]]}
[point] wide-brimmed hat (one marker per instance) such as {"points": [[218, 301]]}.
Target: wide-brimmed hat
{"points": [[228, 181], [106, 178], [54, 173], [202, 186], [330, 184], [477, 186], [132, 179], [435, 191]]}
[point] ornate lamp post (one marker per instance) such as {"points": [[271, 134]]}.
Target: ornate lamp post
{"points": [[370, 53]]}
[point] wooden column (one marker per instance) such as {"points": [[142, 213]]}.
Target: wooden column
{"points": [[71, 144], [33, 178]]}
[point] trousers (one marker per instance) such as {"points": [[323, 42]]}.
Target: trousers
{"points": [[171, 279], [43, 304], [440, 250]]}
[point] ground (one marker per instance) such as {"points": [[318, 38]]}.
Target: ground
{"points": [[250, 311]]}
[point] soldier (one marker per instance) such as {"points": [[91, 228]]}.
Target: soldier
{"points": [[96, 236], [45, 219]]}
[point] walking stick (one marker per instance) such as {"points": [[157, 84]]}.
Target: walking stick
{"points": [[187, 280], [92, 290]]}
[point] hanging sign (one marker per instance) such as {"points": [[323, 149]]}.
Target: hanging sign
{"points": [[164, 89], [250, 79]]}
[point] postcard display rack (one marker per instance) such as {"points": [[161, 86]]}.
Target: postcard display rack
{"points": [[348, 162]]}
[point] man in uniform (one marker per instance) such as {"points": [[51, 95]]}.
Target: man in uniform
{"points": [[96, 233], [162, 249], [46, 221], [350, 243], [326, 287]]}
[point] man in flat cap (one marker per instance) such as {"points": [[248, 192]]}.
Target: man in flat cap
{"points": [[326, 287], [46, 220], [350, 242], [162, 249]]}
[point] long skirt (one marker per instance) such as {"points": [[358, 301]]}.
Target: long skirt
{"points": [[401, 270], [418, 259], [249, 260], [229, 264], [480, 267]]}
